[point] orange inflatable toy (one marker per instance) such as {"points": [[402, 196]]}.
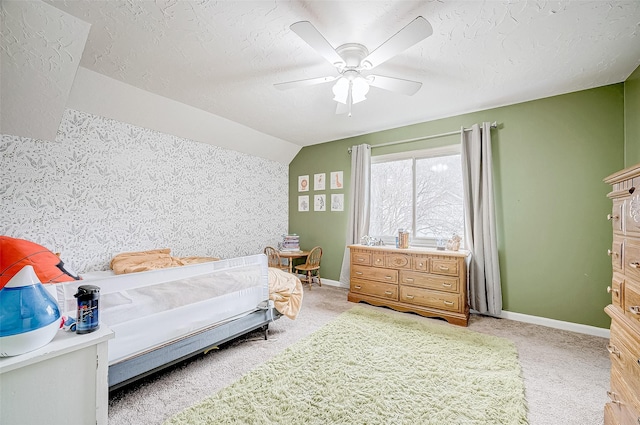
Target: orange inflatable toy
{"points": [[17, 253]]}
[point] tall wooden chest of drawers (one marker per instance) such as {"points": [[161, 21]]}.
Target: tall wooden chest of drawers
{"points": [[624, 310], [421, 280]]}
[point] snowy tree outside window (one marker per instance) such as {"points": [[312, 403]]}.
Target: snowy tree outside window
{"points": [[420, 192]]}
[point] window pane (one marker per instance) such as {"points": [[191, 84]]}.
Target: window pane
{"points": [[391, 197], [439, 210]]}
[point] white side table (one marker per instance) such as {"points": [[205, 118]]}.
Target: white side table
{"points": [[64, 382]]}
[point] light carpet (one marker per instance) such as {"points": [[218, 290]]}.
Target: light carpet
{"points": [[371, 367]]}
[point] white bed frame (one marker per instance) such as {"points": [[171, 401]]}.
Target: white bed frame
{"points": [[153, 339], [144, 364]]}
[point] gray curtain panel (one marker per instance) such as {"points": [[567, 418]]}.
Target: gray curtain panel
{"points": [[359, 198], [485, 293]]}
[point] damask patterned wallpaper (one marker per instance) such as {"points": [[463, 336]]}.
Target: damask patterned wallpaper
{"points": [[105, 187]]}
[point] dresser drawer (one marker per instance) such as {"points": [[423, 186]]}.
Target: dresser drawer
{"points": [[616, 254], [378, 259], [429, 298], [625, 359], [622, 398], [376, 289], [362, 258], [617, 290], [631, 258], [374, 273], [632, 301], [398, 261], [430, 281], [616, 216], [444, 266], [421, 263]]}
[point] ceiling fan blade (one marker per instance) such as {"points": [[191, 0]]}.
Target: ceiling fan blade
{"points": [[304, 83], [313, 38], [416, 31], [393, 84]]}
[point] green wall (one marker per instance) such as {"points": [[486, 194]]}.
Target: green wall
{"points": [[632, 118], [550, 157]]}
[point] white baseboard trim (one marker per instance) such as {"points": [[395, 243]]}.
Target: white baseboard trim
{"points": [[336, 283], [519, 317], [556, 324]]}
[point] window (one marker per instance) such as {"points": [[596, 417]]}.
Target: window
{"points": [[420, 192]]}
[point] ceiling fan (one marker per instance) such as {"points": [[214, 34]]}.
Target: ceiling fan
{"points": [[353, 61]]}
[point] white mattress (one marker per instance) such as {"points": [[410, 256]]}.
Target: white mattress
{"points": [[150, 309]]}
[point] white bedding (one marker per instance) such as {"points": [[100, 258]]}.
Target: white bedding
{"points": [[149, 309]]}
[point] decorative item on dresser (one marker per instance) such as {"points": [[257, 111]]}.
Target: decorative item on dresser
{"points": [[624, 310], [420, 280]]}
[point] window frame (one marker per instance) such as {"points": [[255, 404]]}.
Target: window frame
{"points": [[414, 155]]}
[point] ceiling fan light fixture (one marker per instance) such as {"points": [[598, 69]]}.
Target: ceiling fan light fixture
{"points": [[341, 90], [357, 87]]}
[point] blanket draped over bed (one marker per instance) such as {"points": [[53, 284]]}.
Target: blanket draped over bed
{"points": [[285, 289], [132, 262]]}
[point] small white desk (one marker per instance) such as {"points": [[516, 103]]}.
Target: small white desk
{"points": [[64, 382]]}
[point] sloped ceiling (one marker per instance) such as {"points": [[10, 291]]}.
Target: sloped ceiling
{"points": [[223, 57], [35, 86]]}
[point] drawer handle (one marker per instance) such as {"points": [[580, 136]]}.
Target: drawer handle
{"points": [[610, 290], [421, 264], [410, 297], [444, 268], [358, 287], [388, 293], [612, 217], [612, 253], [359, 273], [408, 279], [378, 261], [613, 350], [635, 309], [361, 259], [613, 396], [634, 265], [388, 277], [446, 284], [449, 303]]}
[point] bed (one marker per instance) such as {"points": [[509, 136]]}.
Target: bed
{"points": [[161, 317]]}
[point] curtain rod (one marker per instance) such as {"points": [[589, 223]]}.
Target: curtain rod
{"points": [[433, 136]]}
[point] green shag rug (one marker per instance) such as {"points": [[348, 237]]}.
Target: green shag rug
{"points": [[375, 367]]}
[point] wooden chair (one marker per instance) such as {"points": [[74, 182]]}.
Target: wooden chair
{"points": [[274, 259], [311, 268]]}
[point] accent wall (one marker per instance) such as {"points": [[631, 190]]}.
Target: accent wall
{"points": [[550, 156], [104, 187]]}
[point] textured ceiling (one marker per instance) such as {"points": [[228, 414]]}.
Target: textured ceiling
{"points": [[224, 56]]}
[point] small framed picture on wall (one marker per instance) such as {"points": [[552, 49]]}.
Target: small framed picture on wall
{"points": [[319, 181], [303, 183], [320, 202], [337, 202], [336, 180], [303, 203]]}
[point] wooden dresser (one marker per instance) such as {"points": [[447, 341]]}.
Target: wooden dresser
{"points": [[421, 280], [624, 345]]}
